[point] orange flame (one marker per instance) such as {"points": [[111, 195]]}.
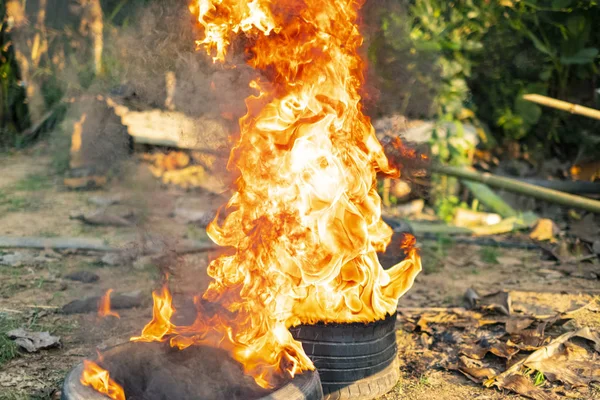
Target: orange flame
{"points": [[305, 221], [104, 306], [99, 379]]}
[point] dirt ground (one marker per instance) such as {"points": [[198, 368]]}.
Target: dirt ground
{"points": [[34, 203]]}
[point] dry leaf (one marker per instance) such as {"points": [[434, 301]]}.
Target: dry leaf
{"points": [[517, 325], [570, 364], [503, 350], [529, 339], [523, 386], [513, 380], [498, 302], [545, 229], [33, 341], [475, 351]]}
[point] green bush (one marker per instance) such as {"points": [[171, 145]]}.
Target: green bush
{"points": [[477, 58]]}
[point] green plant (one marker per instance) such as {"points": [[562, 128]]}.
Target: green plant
{"points": [[446, 206], [489, 255], [544, 47], [8, 348], [539, 379], [32, 183]]}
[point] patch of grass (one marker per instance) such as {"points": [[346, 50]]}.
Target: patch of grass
{"points": [[48, 234], [489, 255], [33, 183], [14, 395], [8, 348], [12, 203], [424, 380]]}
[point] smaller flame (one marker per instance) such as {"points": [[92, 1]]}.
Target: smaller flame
{"points": [[104, 306], [99, 379], [160, 325]]}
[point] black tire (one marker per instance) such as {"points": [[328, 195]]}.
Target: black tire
{"points": [[352, 357], [306, 386]]}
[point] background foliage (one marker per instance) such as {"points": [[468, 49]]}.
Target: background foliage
{"points": [[476, 58]]}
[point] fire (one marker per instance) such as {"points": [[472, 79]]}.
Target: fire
{"points": [[99, 379], [304, 224], [104, 306]]}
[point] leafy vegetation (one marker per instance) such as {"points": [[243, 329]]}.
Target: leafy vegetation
{"points": [[468, 63], [485, 55], [8, 348]]}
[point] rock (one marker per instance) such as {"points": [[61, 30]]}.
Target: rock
{"points": [[550, 274], [83, 276], [106, 201], [33, 341], [585, 275], [118, 301], [116, 259], [198, 217], [16, 259], [151, 260], [102, 218]]}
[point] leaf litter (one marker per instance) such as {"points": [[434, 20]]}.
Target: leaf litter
{"points": [[495, 346]]}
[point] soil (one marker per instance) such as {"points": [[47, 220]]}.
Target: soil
{"points": [[33, 202]]}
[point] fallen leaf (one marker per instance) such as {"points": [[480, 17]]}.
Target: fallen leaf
{"points": [[33, 341], [512, 378], [586, 229], [545, 229], [517, 325], [475, 351], [498, 302], [570, 364], [523, 386], [529, 339], [503, 350], [478, 375]]}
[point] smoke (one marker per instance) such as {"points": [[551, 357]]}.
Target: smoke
{"points": [[160, 44]]}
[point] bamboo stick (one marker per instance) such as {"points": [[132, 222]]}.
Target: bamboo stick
{"points": [[563, 105], [491, 200], [513, 185]]}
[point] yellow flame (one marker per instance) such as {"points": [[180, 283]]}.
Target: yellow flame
{"points": [[305, 220]]}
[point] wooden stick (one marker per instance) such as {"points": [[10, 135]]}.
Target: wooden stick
{"points": [[563, 105], [513, 185], [66, 243]]}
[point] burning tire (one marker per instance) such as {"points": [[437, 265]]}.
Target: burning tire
{"points": [[355, 361], [154, 371]]}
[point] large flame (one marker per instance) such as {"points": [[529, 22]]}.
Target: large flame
{"points": [[305, 222]]}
